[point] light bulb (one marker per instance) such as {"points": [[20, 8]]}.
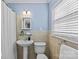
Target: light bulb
{"points": [[28, 13], [24, 13]]}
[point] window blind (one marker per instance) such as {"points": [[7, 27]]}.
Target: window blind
{"points": [[66, 20]]}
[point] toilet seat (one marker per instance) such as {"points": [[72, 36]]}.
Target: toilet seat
{"points": [[42, 56]]}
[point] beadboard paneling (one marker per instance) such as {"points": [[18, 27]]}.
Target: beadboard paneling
{"points": [[66, 20], [66, 7], [8, 39]]}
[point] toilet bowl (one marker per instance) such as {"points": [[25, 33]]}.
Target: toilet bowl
{"points": [[41, 56], [40, 49]]}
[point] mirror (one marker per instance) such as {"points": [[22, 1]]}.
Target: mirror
{"points": [[26, 20]]}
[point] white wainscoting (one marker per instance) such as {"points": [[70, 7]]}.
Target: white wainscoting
{"points": [[67, 52], [8, 29]]}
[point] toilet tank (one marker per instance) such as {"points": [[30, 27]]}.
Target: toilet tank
{"points": [[39, 47]]}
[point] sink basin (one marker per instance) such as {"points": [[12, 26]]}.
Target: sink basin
{"points": [[24, 43], [28, 34]]}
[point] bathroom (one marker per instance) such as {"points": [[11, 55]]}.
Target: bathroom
{"points": [[50, 26]]}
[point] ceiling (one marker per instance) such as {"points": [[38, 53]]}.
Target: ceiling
{"points": [[27, 1]]}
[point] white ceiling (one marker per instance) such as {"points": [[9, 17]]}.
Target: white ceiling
{"points": [[27, 1]]}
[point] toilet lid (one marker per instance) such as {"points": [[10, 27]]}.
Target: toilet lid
{"points": [[42, 56]]}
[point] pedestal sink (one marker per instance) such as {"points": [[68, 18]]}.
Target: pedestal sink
{"points": [[25, 44]]}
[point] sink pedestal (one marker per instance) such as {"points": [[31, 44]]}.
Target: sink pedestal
{"points": [[25, 44], [25, 52]]}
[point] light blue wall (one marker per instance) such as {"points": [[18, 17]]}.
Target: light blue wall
{"points": [[39, 13]]}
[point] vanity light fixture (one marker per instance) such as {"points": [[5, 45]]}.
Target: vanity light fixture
{"points": [[26, 13]]}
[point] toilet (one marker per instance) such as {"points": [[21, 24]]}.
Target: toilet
{"points": [[40, 49]]}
